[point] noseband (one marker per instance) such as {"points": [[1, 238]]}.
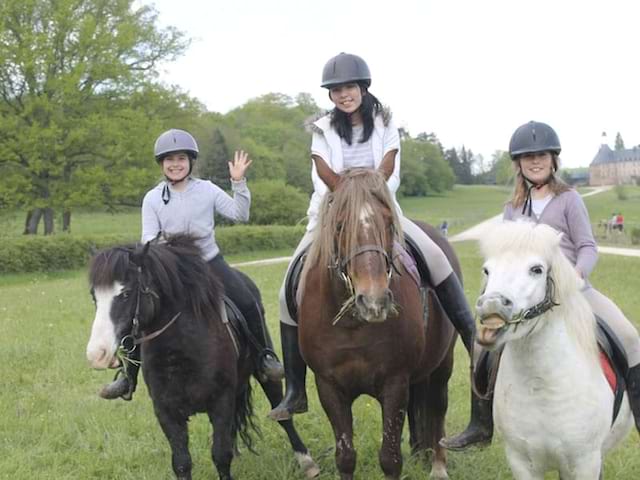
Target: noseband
{"points": [[532, 312], [340, 265]]}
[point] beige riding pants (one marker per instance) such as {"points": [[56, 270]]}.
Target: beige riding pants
{"points": [[439, 266]]}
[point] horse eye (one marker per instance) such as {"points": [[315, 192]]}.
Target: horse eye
{"points": [[536, 270], [125, 294], [485, 270]]}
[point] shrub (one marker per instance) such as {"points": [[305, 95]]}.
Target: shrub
{"points": [[61, 252], [621, 192], [635, 236], [275, 203]]}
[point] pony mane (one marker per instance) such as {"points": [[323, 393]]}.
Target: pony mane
{"points": [[175, 268], [521, 237], [340, 215]]}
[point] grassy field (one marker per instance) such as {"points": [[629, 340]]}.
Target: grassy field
{"points": [[53, 425], [462, 207]]}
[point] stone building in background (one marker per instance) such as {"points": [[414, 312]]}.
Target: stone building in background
{"points": [[614, 167]]}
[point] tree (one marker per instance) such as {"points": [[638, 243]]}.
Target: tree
{"points": [[424, 169], [619, 145], [76, 79], [503, 166]]}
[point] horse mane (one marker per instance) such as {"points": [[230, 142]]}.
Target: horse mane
{"points": [[522, 237], [174, 267], [340, 215]]}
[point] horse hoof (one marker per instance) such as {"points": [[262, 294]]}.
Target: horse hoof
{"points": [[307, 465]]}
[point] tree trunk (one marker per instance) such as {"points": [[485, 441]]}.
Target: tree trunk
{"points": [[66, 221], [48, 221], [26, 222], [32, 221]]}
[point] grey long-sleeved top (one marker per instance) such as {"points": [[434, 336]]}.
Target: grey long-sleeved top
{"points": [[192, 211], [568, 214]]}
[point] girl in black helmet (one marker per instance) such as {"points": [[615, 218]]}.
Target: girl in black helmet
{"points": [[542, 197], [184, 204], [358, 133]]}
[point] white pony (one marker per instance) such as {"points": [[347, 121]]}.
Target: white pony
{"points": [[552, 402]]}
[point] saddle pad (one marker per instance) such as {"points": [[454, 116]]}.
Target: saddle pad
{"points": [[607, 369]]}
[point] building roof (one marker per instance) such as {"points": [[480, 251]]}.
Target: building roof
{"points": [[606, 155]]}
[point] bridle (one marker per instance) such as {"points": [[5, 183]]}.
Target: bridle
{"points": [[129, 342], [530, 313], [339, 265]]}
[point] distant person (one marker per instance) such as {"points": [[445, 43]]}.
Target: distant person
{"points": [[620, 222], [182, 203], [444, 228], [540, 196], [612, 221], [359, 133]]}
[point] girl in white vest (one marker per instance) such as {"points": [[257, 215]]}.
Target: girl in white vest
{"points": [[359, 133]]}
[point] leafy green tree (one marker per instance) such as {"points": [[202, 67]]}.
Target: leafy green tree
{"points": [[503, 167], [424, 169], [76, 79], [271, 129]]}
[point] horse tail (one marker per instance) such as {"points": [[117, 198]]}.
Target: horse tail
{"points": [[243, 423]]}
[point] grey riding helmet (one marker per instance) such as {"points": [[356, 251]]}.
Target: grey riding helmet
{"points": [[345, 68], [175, 140], [533, 137]]}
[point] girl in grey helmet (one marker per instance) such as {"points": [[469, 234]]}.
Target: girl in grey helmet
{"points": [[542, 197], [359, 133], [184, 204]]}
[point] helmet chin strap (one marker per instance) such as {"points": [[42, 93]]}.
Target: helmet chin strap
{"points": [[527, 208], [166, 192]]}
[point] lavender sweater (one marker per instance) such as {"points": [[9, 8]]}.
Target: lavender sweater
{"points": [[567, 214], [192, 210]]}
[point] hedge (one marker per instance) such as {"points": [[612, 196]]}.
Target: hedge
{"points": [[61, 252]]}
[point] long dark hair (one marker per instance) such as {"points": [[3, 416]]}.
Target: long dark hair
{"points": [[369, 108]]}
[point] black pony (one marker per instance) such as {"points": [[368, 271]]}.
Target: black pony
{"points": [[164, 299]]}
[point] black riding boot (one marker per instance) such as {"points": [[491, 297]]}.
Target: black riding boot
{"points": [[267, 363], [480, 429], [452, 299], [125, 381], [295, 398], [633, 392]]}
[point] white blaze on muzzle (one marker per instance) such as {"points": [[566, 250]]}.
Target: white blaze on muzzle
{"points": [[102, 345]]}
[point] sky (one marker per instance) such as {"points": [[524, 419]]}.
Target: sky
{"points": [[470, 71]]}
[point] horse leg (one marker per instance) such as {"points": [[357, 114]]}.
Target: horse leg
{"points": [[585, 468], [394, 401], [522, 467], [436, 404], [222, 418], [337, 406], [273, 391], [175, 429]]}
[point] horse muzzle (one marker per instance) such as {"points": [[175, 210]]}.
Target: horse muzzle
{"points": [[493, 309], [374, 309]]}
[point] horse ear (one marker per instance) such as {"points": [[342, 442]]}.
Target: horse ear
{"points": [[137, 257], [328, 176], [388, 164]]}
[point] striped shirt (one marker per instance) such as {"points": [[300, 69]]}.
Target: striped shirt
{"points": [[357, 155]]}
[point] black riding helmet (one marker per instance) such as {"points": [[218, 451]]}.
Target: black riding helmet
{"points": [[345, 68], [533, 137]]}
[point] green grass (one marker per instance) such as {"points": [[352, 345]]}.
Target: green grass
{"points": [[462, 207], [602, 206], [53, 425]]}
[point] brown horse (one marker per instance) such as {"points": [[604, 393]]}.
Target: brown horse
{"points": [[362, 327]]}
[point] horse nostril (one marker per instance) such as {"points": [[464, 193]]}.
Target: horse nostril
{"points": [[506, 302], [360, 303]]}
